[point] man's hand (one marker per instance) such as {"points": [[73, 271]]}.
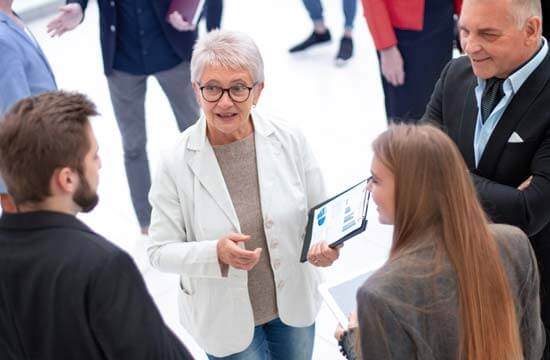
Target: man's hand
{"points": [[524, 185], [229, 252], [70, 17], [176, 20], [321, 254], [391, 63]]}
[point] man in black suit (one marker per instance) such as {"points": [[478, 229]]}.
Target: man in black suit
{"points": [[495, 104], [139, 40], [66, 292]]}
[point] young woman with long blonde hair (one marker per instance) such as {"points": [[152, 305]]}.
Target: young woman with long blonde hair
{"points": [[454, 287]]}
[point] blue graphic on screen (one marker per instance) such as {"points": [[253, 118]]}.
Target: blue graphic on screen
{"points": [[349, 218], [321, 217]]}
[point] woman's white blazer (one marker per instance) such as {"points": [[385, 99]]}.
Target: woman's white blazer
{"points": [[192, 209]]}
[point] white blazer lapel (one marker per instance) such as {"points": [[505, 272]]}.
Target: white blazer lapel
{"points": [[268, 150], [204, 165]]}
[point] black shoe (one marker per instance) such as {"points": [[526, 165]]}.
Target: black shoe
{"points": [[345, 52], [313, 39]]}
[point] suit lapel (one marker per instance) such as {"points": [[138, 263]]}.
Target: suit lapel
{"points": [[468, 125], [267, 151], [202, 161], [513, 114], [38, 49]]}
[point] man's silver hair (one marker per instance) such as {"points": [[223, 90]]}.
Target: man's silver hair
{"points": [[524, 9], [228, 49], [520, 10]]}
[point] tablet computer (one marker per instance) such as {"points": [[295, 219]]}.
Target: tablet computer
{"points": [[338, 219], [340, 295]]}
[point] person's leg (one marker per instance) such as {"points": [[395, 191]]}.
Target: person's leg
{"points": [[320, 34], [345, 51], [128, 98], [214, 9], [176, 84], [315, 10], [257, 350], [350, 9], [287, 342]]}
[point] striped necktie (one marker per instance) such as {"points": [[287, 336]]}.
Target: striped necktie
{"points": [[491, 96]]}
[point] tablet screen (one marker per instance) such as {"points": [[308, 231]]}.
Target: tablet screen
{"points": [[341, 216]]}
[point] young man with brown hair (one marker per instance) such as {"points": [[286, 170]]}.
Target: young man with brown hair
{"points": [[66, 292]]}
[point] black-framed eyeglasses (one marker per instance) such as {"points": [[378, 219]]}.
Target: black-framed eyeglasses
{"points": [[237, 93]]}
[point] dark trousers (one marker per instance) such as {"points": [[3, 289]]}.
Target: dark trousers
{"points": [[213, 13], [128, 98]]}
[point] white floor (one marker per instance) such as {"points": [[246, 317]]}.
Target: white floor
{"points": [[340, 109]]}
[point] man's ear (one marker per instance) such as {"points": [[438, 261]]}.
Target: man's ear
{"points": [[64, 180], [533, 29]]}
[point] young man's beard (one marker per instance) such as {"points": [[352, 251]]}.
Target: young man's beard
{"points": [[84, 196]]}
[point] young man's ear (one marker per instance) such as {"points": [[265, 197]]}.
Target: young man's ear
{"points": [[64, 180]]}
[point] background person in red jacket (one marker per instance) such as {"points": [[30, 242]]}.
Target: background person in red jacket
{"points": [[414, 39]]}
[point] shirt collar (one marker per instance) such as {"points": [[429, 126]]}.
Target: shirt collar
{"points": [[7, 19], [4, 18], [35, 220]]}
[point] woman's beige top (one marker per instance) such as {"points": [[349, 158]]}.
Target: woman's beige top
{"points": [[237, 162]]}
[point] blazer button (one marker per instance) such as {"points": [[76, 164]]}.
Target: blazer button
{"points": [[268, 223], [276, 264], [274, 244], [113, 28]]}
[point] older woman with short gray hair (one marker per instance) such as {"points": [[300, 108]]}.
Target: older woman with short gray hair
{"points": [[230, 203]]}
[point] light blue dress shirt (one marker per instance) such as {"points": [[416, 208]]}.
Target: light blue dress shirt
{"points": [[511, 86]]}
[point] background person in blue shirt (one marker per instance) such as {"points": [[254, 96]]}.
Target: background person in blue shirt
{"points": [[137, 41], [25, 69]]}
